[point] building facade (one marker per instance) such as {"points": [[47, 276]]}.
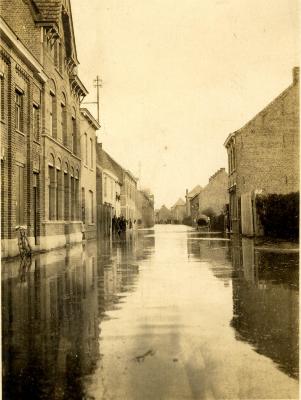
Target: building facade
{"points": [[145, 209], [88, 143], [188, 197], [214, 195], [129, 196], [194, 208], [108, 187], [40, 97], [178, 211], [263, 157]]}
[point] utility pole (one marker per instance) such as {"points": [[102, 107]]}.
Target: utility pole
{"points": [[98, 84]]}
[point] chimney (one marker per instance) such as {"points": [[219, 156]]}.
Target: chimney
{"points": [[296, 75]]}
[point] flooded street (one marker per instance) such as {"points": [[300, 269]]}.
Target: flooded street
{"points": [[168, 314]]}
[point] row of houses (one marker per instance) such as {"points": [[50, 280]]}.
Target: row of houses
{"points": [[56, 181], [263, 163], [210, 201]]}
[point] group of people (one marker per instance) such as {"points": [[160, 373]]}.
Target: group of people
{"points": [[120, 224]]}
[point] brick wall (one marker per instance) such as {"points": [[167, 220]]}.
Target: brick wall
{"points": [[215, 194], [267, 148], [34, 152], [19, 148], [18, 16]]}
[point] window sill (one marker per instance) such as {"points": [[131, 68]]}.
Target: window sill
{"points": [[2, 121], [54, 221], [36, 141], [60, 221], [21, 133]]}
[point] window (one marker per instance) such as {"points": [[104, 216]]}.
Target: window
{"points": [[53, 51], [60, 57], [76, 188], [91, 213], [55, 55], [59, 192], [52, 115], [66, 193], [231, 158], [19, 111], [72, 190], [35, 120], [20, 190], [105, 186], [91, 152], [51, 193], [86, 148], [83, 206], [73, 136], [1, 96], [63, 134]]}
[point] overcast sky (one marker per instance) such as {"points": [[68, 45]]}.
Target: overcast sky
{"points": [[179, 76]]}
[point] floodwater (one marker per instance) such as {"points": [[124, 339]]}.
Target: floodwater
{"points": [[169, 314]]}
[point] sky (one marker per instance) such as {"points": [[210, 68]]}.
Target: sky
{"points": [[179, 76]]}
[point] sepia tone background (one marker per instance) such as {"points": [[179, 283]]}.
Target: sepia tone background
{"points": [[178, 77]]}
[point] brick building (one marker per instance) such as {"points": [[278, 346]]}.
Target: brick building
{"points": [[88, 140], [108, 184], [40, 97], [263, 157], [178, 211], [214, 196], [194, 208], [145, 209], [129, 195], [189, 196]]}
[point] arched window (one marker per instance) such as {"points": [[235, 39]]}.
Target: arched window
{"points": [[73, 132], [52, 109], [51, 188], [59, 191], [86, 149], [76, 194], [91, 153], [66, 192], [63, 130], [72, 190]]}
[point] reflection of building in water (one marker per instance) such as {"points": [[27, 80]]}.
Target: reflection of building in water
{"points": [[120, 262], [265, 303], [216, 252], [49, 326]]}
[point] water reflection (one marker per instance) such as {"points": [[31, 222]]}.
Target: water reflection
{"points": [[51, 315], [152, 313], [49, 326], [216, 252], [265, 303], [265, 294]]}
